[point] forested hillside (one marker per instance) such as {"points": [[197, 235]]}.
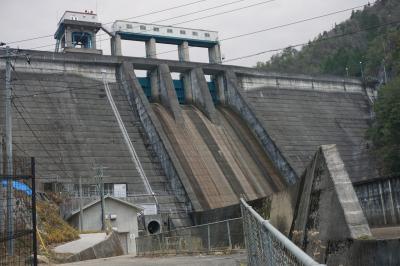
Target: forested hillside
{"points": [[370, 36]]}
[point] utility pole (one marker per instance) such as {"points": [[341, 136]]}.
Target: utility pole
{"points": [[2, 219], [9, 155], [362, 70], [384, 71], [100, 181], [80, 205]]}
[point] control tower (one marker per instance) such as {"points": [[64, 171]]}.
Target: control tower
{"points": [[76, 32]]}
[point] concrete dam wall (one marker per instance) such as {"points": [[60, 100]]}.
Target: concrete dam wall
{"points": [[222, 160], [255, 140]]}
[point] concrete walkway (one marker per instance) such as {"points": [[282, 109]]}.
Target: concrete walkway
{"points": [[198, 260], [85, 241]]}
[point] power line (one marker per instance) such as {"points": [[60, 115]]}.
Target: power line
{"points": [[277, 27], [245, 56], [160, 11], [35, 135], [318, 40], [191, 20], [138, 16], [238, 58], [33, 132], [292, 23]]}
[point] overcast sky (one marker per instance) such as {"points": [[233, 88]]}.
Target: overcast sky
{"points": [[22, 19]]}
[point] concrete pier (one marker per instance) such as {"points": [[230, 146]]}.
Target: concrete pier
{"points": [[151, 51], [116, 45], [214, 54], [183, 52]]}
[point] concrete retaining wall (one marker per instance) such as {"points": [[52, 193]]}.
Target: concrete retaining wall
{"points": [[110, 247]]}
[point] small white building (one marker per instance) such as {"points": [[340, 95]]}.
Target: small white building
{"points": [[121, 215]]}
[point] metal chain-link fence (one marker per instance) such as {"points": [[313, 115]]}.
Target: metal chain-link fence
{"points": [[266, 245], [18, 215], [206, 238]]}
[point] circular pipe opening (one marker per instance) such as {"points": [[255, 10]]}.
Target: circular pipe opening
{"points": [[153, 227]]}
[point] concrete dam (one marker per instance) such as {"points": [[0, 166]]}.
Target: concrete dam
{"points": [[209, 145], [199, 155], [177, 147]]}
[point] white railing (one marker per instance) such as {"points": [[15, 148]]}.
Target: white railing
{"points": [[127, 139], [266, 245]]}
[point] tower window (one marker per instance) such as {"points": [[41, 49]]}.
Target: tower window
{"points": [[142, 27], [195, 33], [207, 34], [129, 26], [82, 40], [170, 31], [156, 29], [182, 32]]}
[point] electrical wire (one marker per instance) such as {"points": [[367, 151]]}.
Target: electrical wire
{"points": [[182, 22], [277, 27], [258, 53], [315, 41], [33, 132], [138, 16], [241, 57]]}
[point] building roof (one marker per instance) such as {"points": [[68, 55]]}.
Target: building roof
{"points": [[105, 198]]}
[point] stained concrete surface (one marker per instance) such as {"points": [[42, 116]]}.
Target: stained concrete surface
{"points": [[198, 260], [392, 232], [224, 161], [85, 241]]}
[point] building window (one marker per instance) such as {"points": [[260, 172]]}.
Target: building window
{"points": [[207, 35], [81, 40], [129, 26], [108, 189], [170, 31], [182, 32], [156, 29], [195, 33], [142, 27]]}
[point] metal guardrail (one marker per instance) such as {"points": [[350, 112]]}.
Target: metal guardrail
{"points": [[266, 245], [224, 235]]}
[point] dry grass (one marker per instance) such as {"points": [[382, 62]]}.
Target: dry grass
{"points": [[52, 227]]}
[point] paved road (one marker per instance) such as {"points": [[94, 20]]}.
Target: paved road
{"points": [[200, 260]]}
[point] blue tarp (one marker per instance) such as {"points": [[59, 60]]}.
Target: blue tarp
{"points": [[19, 186]]}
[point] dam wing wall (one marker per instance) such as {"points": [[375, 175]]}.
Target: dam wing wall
{"points": [[300, 115]]}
